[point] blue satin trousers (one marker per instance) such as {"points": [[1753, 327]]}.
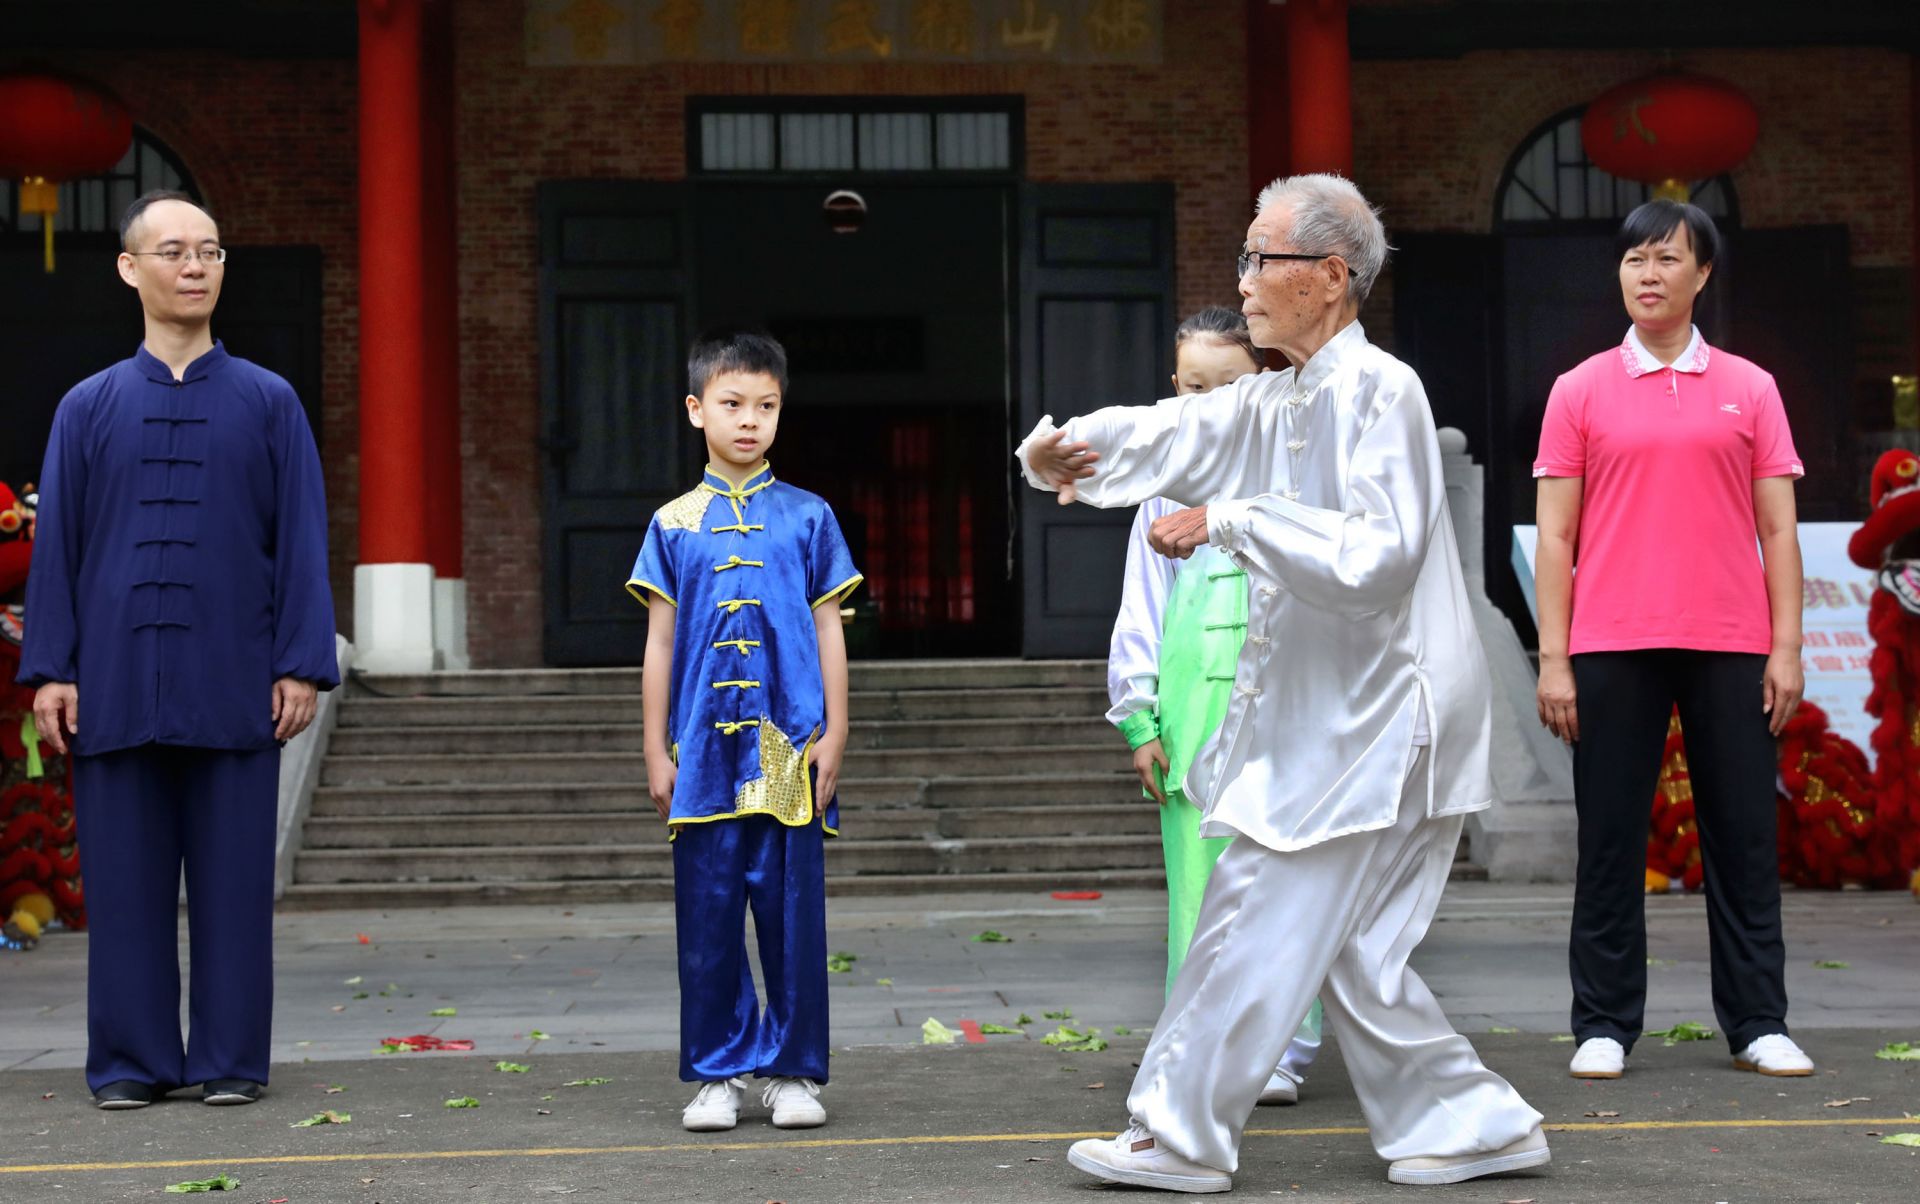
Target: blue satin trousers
{"points": [[142, 813], [720, 869]]}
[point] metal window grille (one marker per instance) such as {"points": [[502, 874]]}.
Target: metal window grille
{"points": [[1550, 179], [817, 139], [94, 204]]}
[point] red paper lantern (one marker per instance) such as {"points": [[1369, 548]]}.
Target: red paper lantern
{"points": [[1667, 129], [52, 129]]}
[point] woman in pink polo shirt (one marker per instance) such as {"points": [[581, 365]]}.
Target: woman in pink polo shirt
{"points": [[1662, 462]]}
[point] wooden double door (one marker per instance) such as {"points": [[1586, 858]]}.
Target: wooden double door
{"points": [[920, 347]]}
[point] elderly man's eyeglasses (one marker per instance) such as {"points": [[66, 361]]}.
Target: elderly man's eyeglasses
{"points": [[1252, 261], [173, 257]]}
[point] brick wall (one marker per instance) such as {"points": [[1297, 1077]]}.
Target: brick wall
{"points": [[1182, 121], [272, 144]]}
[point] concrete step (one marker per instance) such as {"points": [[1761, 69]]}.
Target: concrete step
{"points": [[864, 794], [363, 895], [569, 710], [988, 735], [863, 676], [638, 826], [559, 862], [592, 827], [536, 766]]}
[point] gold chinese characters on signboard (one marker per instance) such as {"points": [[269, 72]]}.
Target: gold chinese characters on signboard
{"points": [[566, 33]]}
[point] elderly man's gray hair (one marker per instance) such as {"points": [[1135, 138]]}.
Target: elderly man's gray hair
{"points": [[1330, 215]]}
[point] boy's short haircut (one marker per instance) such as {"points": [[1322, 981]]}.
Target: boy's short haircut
{"points": [[718, 351]]}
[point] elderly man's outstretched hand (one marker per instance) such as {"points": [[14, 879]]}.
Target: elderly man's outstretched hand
{"points": [[1179, 533], [1060, 464]]}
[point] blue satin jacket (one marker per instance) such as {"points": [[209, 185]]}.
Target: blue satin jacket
{"points": [[180, 565], [745, 569]]}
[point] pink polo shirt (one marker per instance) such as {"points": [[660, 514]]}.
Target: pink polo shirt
{"points": [[1667, 555]]}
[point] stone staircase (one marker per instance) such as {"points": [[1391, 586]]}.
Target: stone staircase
{"points": [[530, 786]]}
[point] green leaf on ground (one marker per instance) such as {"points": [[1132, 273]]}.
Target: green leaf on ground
{"points": [[1912, 1139], [537, 1035], [1899, 1051], [395, 1047], [1024, 1019], [1686, 1030], [545, 1098], [883, 982], [990, 937], [840, 963], [359, 994], [1502, 1028], [1121, 1030], [390, 989], [1074, 1040], [511, 1067], [596, 1081], [1824, 965], [1561, 1038], [935, 1033], [465, 1101], [1660, 961], [1062, 1014], [444, 1012], [352, 982], [999, 1028], [217, 1183], [329, 1117]]}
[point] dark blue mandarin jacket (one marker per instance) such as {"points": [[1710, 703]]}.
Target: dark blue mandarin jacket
{"points": [[180, 565]]}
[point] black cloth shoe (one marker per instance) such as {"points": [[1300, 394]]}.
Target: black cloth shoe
{"points": [[230, 1091], [121, 1095]]}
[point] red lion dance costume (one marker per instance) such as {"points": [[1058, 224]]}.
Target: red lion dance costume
{"points": [[1843, 821], [39, 859]]}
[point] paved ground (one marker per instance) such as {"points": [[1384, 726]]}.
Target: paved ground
{"points": [[984, 1121]]}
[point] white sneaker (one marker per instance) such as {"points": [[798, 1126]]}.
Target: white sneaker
{"points": [[1135, 1157], [1282, 1088], [1530, 1150], [794, 1104], [1598, 1058], [1774, 1054], [715, 1108]]}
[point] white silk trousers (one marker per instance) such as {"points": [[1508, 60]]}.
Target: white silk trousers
{"points": [[1339, 920]]}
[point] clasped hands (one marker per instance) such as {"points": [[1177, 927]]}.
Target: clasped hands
{"points": [[1063, 465], [56, 710]]}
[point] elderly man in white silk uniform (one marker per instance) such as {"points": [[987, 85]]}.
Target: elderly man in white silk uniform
{"points": [[1357, 735]]}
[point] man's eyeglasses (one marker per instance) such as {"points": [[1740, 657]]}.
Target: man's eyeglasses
{"points": [[173, 257], [1252, 261]]}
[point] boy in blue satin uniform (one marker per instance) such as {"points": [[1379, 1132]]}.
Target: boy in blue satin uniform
{"points": [[745, 693]]}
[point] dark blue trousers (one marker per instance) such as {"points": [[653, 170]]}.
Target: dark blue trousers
{"points": [[719, 870], [142, 813]]}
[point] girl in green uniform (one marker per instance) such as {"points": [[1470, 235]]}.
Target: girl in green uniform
{"points": [[1171, 667]]}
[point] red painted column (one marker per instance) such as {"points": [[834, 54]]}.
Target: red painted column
{"points": [[1269, 144], [440, 259], [1913, 87], [1320, 92], [393, 486]]}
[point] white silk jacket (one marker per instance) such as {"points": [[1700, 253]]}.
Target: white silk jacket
{"points": [[1326, 486]]}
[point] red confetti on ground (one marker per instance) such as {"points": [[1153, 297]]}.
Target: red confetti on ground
{"points": [[423, 1043], [1076, 894], [364, 938], [972, 1030]]}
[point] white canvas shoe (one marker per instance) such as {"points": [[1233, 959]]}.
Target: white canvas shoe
{"points": [[1282, 1088], [1598, 1058], [1135, 1158], [1529, 1151], [715, 1108], [794, 1104], [1774, 1054]]}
